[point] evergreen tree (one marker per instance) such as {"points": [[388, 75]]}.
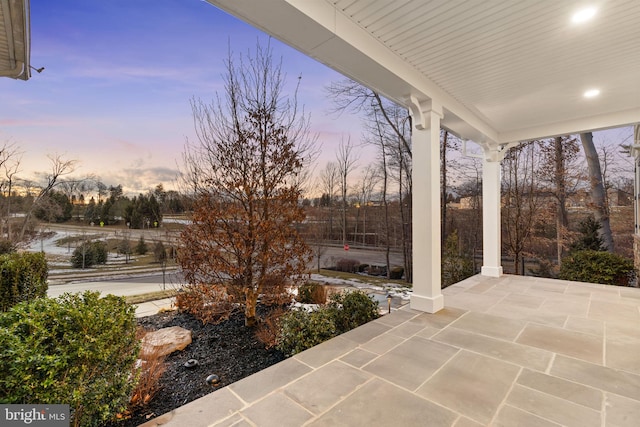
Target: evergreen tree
{"points": [[590, 238], [141, 247]]}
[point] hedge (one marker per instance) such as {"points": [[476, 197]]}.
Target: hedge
{"points": [[78, 349], [23, 277], [598, 267]]}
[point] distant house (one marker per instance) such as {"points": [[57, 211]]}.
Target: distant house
{"points": [[619, 197]]}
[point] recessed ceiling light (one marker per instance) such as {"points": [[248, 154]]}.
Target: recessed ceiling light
{"points": [[591, 93], [583, 15]]}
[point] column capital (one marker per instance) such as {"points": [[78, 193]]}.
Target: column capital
{"points": [[421, 109], [496, 152]]}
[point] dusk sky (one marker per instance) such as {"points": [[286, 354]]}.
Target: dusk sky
{"points": [[118, 79]]}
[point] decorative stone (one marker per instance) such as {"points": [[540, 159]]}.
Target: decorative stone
{"points": [[165, 341], [213, 380], [191, 363]]}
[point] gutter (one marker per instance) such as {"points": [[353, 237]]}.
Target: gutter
{"points": [[12, 14]]}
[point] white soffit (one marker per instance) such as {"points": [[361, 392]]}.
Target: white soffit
{"points": [[14, 39], [503, 70]]}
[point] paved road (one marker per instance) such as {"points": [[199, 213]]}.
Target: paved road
{"points": [[120, 287], [151, 283]]}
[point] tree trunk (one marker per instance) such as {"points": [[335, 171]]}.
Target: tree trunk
{"points": [[443, 190], [598, 196], [251, 301], [385, 178], [562, 221]]}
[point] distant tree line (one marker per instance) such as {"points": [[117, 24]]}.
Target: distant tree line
{"points": [[112, 207]]}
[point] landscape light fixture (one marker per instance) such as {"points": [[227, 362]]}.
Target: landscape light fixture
{"points": [[39, 70]]}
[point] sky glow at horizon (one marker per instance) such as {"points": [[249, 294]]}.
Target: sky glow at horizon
{"points": [[119, 76]]}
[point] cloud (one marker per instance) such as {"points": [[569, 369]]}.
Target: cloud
{"points": [[140, 180]]}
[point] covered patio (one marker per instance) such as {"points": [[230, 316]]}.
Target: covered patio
{"points": [[493, 73], [507, 351], [493, 349]]}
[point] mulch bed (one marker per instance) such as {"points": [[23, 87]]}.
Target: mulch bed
{"points": [[230, 350]]}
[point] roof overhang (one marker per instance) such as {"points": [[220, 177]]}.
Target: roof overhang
{"points": [[15, 35], [502, 71]]}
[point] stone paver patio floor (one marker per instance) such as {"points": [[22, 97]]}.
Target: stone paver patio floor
{"points": [[508, 351]]}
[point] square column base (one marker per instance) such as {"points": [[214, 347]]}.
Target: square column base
{"points": [[491, 271], [426, 304]]}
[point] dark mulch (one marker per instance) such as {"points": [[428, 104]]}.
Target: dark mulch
{"points": [[229, 350]]}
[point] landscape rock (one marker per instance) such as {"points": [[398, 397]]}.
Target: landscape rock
{"points": [[165, 341]]}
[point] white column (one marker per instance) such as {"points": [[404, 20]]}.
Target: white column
{"points": [[425, 147], [491, 239]]}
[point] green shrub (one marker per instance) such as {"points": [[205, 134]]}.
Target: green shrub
{"points": [[589, 238], [141, 247], [300, 330], [89, 254], [23, 277], [100, 252], [597, 267], [76, 349], [312, 293], [352, 309]]}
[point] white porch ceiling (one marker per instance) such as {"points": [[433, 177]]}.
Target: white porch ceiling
{"points": [[504, 71], [14, 39]]}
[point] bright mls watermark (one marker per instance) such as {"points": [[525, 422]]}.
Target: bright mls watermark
{"points": [[35, 415]]}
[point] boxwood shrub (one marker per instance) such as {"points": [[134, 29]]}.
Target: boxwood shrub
{"points": [[598, 267], [300, 330], [78, 349], [23, 277], [352, 309]]}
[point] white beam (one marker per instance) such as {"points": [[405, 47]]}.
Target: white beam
{"points": [[427, 292]]}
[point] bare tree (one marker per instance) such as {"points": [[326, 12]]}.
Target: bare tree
{"points": [[378, 138], [401, 167], [388, 128], [616, 166], [559, 170], [470, 189], [521, 199], [251, 145], [448, 143], [348, 95], [346, 160], [366, 187], [598, 193], [59, 168], [10, 159], [328, 185]]}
